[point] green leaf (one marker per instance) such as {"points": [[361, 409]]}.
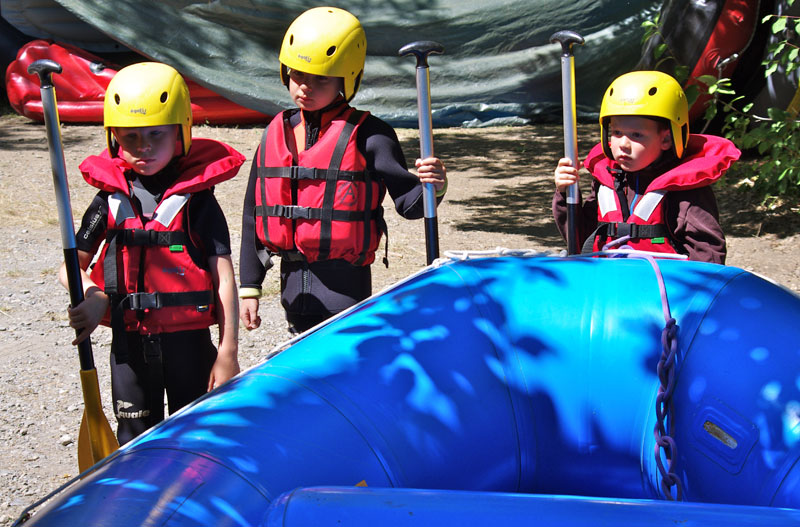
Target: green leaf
{"points": [[708, 80], [779, 25], [776, 114], [681, 73], [692, 93], [770, 70], [659, 51]]}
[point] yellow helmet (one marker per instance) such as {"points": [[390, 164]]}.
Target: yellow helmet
{"points": [[647, 94], [325, 41], [147, 94]]}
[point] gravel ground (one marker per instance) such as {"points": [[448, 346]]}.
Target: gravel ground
{"points": [[500, 189]]}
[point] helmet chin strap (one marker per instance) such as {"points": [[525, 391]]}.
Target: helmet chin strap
{"points": [[114, 151]]}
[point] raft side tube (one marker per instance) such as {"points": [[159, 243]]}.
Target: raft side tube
{"points": [[356, 507], [533, 375]]}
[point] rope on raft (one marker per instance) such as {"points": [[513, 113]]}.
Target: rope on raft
{"points": [[666, 448]]}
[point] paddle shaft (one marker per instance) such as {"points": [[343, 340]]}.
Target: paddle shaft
{"points": [[45, 69], [421, 50], [567, 39]]}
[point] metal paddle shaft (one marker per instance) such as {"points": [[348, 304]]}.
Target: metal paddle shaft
{"points": [[96, 439], [421, 49], [567, 39]]}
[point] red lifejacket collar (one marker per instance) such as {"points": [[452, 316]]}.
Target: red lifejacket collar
{"points": [[208, 163], [705, 159]]}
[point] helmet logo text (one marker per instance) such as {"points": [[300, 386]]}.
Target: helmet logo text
{"points": [[304, 57], [142, 111]]}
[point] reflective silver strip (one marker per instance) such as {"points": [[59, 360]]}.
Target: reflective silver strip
{"points": [[647, 204], [120, 207], [147, 201], [606, 200], [169, 208]]}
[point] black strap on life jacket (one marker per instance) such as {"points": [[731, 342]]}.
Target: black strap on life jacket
{"points": [[326, 224], [153, 358], [619, 190], [619, 230], [296, 212], [298, 173], [137, 237]]}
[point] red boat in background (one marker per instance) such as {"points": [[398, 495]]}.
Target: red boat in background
{"points": [[82, 84], [729, 39]]}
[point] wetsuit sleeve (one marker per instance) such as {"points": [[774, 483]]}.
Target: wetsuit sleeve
{"points": [[208, 224], [384, 155], [92, 231], [693, 219], [252, 268], [586, 216]]}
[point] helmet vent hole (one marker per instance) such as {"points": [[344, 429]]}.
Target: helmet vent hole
{"points": [[331, 51], [611, 92], [164, 97], [291, 39], [116, 98], [652, 91]]}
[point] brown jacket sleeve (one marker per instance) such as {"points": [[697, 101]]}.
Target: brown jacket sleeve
{"points": [[693, 220]]}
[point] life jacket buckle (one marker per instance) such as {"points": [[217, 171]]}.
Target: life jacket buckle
{"points": [[619, 230], [142, 301], [298, 212]]}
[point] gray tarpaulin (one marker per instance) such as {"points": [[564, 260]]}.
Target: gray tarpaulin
{"points": [[498, 66]]}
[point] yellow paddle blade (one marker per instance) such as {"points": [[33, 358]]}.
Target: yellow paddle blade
{"points": [[96, 440]]}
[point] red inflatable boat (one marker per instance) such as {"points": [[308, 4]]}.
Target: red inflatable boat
{"points": [[82, 84]]}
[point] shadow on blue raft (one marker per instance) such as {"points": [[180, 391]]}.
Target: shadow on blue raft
{"points": [[501, 385]]}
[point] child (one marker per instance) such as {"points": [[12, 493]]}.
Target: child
{"points": [[651, 178], [165, 273], [319, 177]]}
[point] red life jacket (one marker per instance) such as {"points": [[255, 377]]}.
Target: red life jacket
{"points": [[145, 266], [706, 158], [320, 201]]}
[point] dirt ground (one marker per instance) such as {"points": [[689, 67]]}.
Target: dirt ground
{"points": [[499, 196]]}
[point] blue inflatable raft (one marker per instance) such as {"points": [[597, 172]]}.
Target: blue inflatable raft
{"points": [[510, 390]]}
